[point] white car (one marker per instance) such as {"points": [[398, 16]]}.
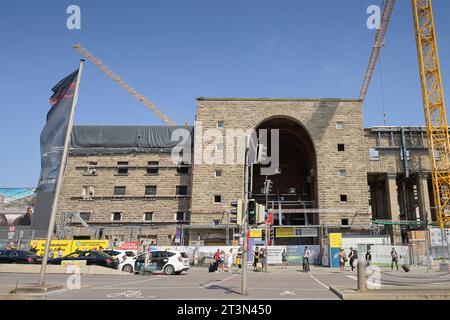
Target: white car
{"points": [[124, 257], [168, 262]]}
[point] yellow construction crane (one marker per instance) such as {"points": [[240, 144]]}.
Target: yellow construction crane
{"points": [[123, 84], [434, 107]]}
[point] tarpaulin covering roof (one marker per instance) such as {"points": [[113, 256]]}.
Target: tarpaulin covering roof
{"points": [[129, 139]]}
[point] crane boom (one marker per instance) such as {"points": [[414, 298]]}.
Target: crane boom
{"points": [[123, 84], [378, 44], [434, 107]]}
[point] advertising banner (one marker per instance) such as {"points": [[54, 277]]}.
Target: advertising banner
{"points": [[130, 245], [285, 232], [335, 240], [55, 245], [295, 254], [89, 245], [256, 233], [274, 254], [436, 237]]}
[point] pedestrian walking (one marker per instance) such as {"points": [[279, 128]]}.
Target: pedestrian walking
{"points": [[342, 260], [239, 258], [284, 260], [229, 260], [222, 261], [353, 255], [262, 258], [368, 259], [60, 253], [216, 260], [394, 257], [51, 253], [255, 258], [306, 256]]}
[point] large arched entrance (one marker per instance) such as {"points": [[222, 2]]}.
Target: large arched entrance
{"points": [[295, 188]]}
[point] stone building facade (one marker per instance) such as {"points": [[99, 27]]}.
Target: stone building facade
{"points": [[334, 173]]}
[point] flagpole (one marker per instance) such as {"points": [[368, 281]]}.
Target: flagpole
{"points": [[60, 177]]}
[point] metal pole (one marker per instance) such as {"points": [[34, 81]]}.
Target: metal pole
{"points": [[267, 232], [245, 249], [60, 178], [361, 276]]}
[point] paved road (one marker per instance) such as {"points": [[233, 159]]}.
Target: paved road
{"points": [[199, 284], [196, 284]]}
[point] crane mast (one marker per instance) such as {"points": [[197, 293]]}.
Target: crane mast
{"points": [[123, 84], [434, 107]]}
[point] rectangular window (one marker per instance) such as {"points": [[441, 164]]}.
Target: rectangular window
{"points": [[216, 222], [343, 198], [182, 169], [86, 216], [221, 124], [344, 222], [91, 168], [342, 173], [181, 190], [150, 190], [219, 147], [152, 167], [122, 167], [117, 216], [374, 155], [218, 173], [119, 191], [148, 216], [217, 198], [88, 192], [339, 124], [341, 147], [181, 216]]}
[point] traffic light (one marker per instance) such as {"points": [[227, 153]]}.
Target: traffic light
{"points": [[268, 186], [236, 212], [252, 207], [260, 214]]}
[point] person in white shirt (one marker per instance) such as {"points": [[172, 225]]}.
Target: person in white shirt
{"points": [[306, 256]]}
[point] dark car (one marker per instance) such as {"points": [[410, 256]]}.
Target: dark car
{"points": [[98, 258], [19, 256]]}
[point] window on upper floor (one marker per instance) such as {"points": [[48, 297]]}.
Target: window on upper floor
{"points": [[152, 167], [122, 167]]}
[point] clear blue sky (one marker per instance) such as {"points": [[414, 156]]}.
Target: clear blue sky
{"points": [[175, 50]]}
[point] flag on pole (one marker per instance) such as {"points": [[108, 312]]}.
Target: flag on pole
{"points": [[52, 140]]}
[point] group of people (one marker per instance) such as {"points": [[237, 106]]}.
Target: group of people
{"points": [[223, 260], [259, 258], [353, 255]]}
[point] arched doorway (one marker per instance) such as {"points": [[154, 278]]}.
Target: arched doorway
{"points": [[295, 188]]}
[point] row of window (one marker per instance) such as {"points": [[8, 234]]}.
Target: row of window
{"points": [[123, 166], [180, 216], [120, 191]]}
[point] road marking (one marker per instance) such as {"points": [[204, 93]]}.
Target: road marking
{"points": [[323, 285], [292, 293], [216, 283]]}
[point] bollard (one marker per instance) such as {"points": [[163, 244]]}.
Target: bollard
{"points": [[361, 269]]}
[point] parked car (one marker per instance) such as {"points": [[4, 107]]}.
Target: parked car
{"points": [[19, 256], [121, 255], [168, 262], [125, 259], [91, 257]]}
